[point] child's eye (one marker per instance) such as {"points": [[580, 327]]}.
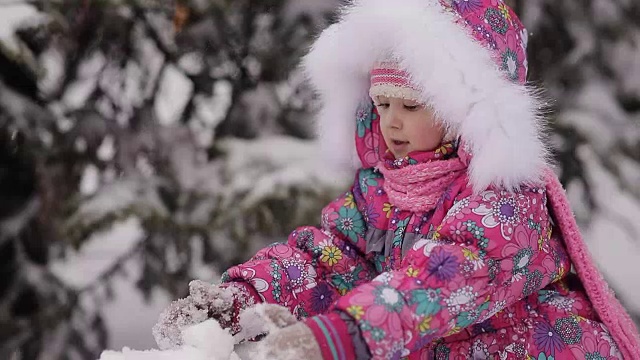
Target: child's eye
{"points": [[412, 107], [381, 105]]}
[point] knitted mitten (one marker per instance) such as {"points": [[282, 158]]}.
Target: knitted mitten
{"points": [[205, 301]]}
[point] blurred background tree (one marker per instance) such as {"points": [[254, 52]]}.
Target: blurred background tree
{"points": [[161, 141], [158, 114]]}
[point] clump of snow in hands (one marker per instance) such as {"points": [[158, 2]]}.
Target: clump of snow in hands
{"points": [[204, 341], [208, 341], [204, 301]]}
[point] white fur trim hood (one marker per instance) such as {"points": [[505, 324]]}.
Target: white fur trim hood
{"points": [[500, 120]]}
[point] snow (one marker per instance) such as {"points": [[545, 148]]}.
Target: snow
{"points": [[585, 42], [577, 193], [174, 93], [271, 165], [591, 126], [107, 149], [284, 161], [615, 252], [78, 92], [153, 60], [132, 193], [14, 14], [53, 62], [15, 105], [12, 226], [208, 341], [274, 164], [297, 7], [609, 13], [612, 233], [212, 110], [204, 341], [629, 173], [132, 95], [597, 115], [205, 300], [262, 108], [198, 268], [90, 180], [81, 268], [125, 329], [209, 111], [198, 337], [192, 63], [625, 61], [254, 169]]}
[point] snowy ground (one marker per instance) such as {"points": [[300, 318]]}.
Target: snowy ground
{"points": [[205, 341]]}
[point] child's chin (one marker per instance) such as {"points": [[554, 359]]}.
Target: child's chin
{"points": [[400, 155], [399, 152]]}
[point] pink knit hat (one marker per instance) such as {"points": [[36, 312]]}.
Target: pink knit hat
{"points": [[390, 80]]}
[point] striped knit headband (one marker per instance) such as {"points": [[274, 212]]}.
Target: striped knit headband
{"points": [[388, 79]]}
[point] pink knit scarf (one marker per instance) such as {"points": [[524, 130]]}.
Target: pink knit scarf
{"points": [[611, 312], [419, 187]]}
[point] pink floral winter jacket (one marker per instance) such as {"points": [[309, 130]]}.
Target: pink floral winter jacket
{"points": [[482, 276]]}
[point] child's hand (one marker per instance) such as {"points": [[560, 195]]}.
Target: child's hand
{"points": [[217, 300], [262, 319], [287, 339], [205, 301], [180, 314], [293, 342]]}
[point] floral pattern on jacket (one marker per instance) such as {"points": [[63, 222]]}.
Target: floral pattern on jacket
{"points": [[486, 276], [492, 281]]}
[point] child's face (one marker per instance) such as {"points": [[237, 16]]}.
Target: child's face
{"points": [[407, 126]]}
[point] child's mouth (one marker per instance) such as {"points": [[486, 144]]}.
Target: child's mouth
{"points": [[399, 147]]}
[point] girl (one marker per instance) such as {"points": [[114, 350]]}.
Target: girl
{"points": [[456, 239]]}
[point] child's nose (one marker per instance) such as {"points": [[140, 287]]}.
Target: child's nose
{"points": [[395, 122]]}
